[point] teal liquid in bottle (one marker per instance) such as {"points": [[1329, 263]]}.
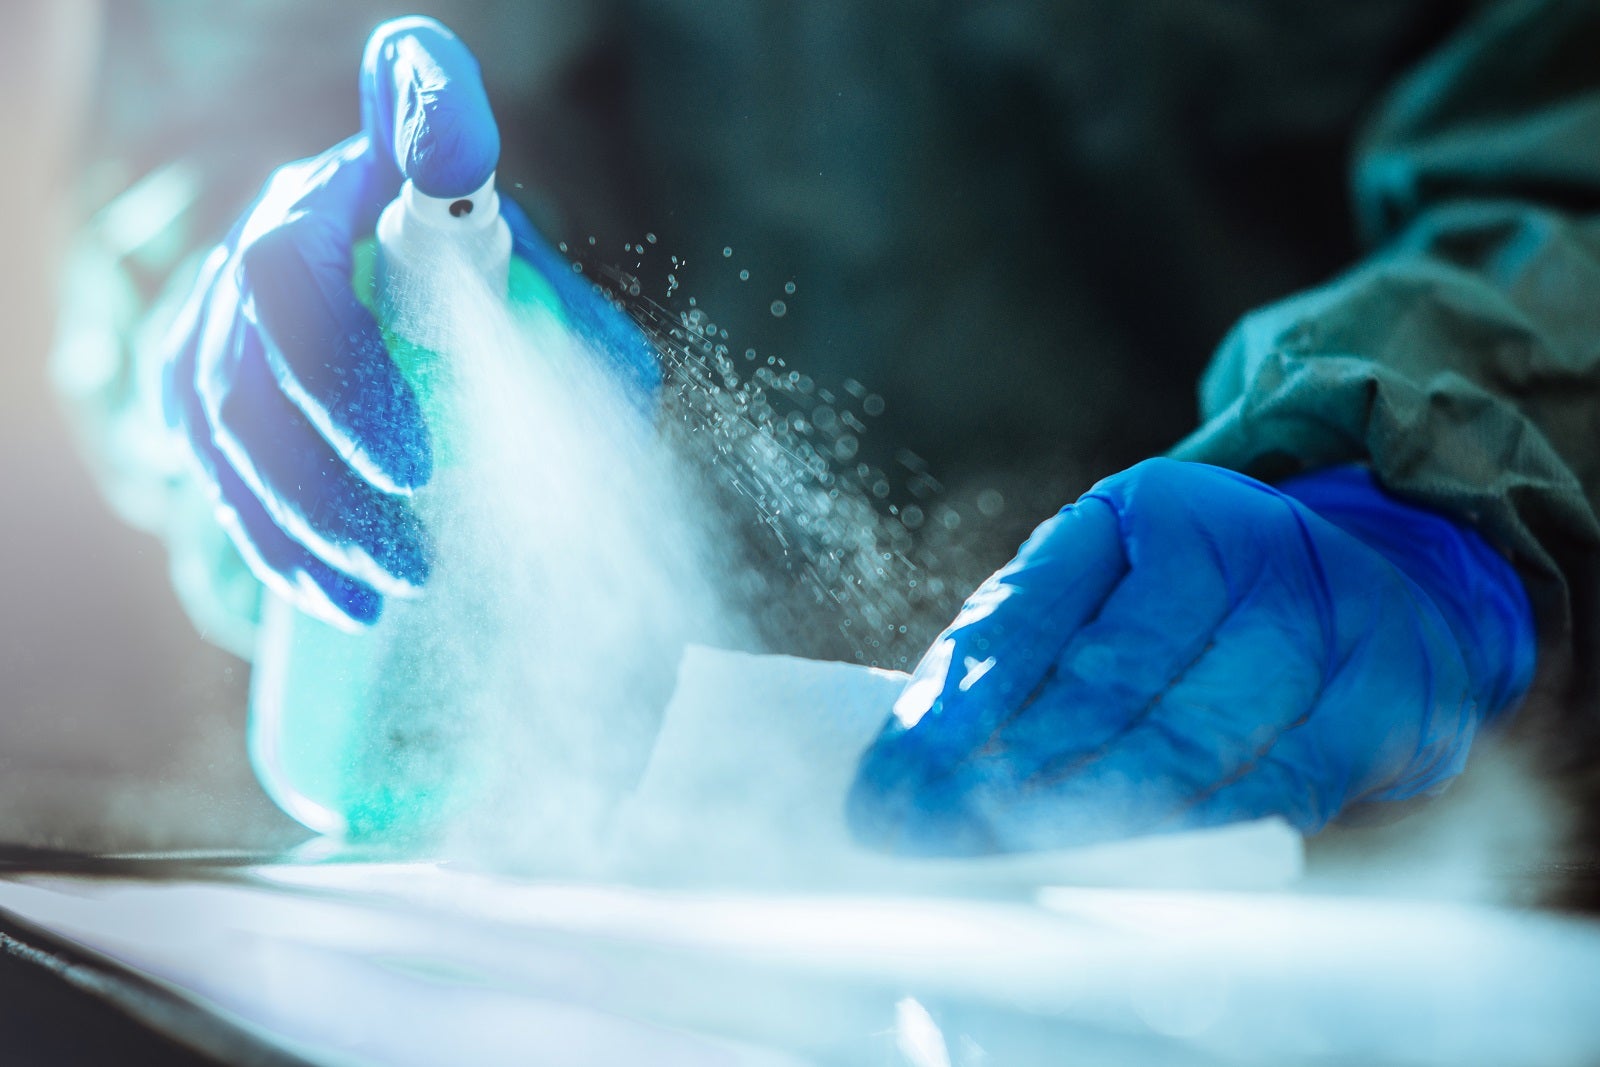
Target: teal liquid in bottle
{"points": [[358, 734]]}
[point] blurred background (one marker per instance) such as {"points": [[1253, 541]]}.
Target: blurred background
{"points": [[119, 726]]}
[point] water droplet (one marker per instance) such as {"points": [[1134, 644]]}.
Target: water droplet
{"points": [[788, 287], [991, 503], [872, 404], [727, 253], [562, 246], [779, 309], [744, 276], [650, 237], [591, 240]]}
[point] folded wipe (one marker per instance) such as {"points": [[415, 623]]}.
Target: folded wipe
{"points": [[748, 779]]}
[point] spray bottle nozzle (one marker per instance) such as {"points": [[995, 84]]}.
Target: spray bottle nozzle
{"points": [[419, 236], [478, 210]]}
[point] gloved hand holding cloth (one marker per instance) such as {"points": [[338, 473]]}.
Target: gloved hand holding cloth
{"points": [[1187, 646]]}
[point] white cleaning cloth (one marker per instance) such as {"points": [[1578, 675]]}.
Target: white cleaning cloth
{"points": [[747, 786]]}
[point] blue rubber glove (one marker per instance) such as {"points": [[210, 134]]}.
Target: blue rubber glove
{"points": [[1186, 646], [303, 426]]}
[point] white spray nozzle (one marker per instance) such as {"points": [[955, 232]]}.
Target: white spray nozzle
{"points": [[420, 238]]}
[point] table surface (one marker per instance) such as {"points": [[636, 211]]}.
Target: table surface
{"points": [[389, 963]]}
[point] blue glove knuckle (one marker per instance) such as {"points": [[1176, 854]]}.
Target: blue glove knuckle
{"points": [[1161, 469], [281, 189], [1152, 477], [270, 262]]}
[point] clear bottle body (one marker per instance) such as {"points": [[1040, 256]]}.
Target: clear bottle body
{"points": [[337, 734], [353, 734]]}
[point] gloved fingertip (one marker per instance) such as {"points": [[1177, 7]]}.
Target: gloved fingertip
{"points": [[410, 557], [399, 464], [423, 101], [408, 458], [901, 803], [359, 602], [448, 147], [905, 820]]}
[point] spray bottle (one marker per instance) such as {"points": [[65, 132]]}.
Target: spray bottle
{"points": [[349, 732]]}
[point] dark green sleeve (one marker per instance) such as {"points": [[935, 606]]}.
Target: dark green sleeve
{"points": [[1461, 360]]}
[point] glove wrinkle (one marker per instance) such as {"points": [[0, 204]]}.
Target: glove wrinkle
{"points": [[1054, 771], [1253, 656]]}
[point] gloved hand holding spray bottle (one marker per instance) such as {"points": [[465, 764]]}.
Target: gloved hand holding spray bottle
{"points": [[317, 689], [311, 378]]}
